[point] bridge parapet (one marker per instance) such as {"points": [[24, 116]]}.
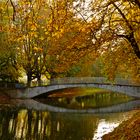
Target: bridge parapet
{"points": [[95, 80], [127, 87], [10, 85]]}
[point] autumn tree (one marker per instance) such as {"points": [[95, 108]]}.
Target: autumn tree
{"points": [[48, 36], [9, 69], [53, 36], [31, 37], [118, 35], [73, 46]]}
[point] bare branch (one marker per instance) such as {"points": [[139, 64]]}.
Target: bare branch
{"points": [[14, 9], [123, 16]]}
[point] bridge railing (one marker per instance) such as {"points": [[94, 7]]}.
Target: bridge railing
{"points": [[11, 85], [73, 80], [96, 80]]}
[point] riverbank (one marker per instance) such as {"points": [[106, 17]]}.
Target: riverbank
{"points": [[128, 130]]}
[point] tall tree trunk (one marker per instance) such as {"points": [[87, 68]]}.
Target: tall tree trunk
{"points": [[134, 44], [130, 37]]}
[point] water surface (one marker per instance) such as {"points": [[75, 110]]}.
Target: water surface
{"points": [[43, 125], [75, 116]]}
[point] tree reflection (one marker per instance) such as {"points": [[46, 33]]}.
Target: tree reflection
{"points": [[102, 100], [8, 124], [23, 124], [73, 127], [95, 100], [19, 124], [38, 125]]}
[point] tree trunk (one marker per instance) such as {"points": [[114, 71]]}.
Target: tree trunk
{"points": [[134, 44], [39, 80], [137, 2], [29, 78]]}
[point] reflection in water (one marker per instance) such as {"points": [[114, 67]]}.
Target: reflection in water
{"points": [[43, 125], [95, 100], [104, 128], [56, 119]]}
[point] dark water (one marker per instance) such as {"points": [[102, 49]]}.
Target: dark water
{"points": [[32, 120]]}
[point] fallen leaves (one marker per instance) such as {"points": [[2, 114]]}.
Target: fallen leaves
{"points": [[128, 130]]}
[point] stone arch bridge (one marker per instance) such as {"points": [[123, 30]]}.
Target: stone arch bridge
{"points": [[125, 86]]}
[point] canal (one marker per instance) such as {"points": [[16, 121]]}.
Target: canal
{"points": [[71, 114]]}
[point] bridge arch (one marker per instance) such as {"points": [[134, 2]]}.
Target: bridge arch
{"points": [[119, 85]]}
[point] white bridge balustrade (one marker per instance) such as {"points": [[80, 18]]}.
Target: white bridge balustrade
{"points": [[126, 86], [95, 80]]}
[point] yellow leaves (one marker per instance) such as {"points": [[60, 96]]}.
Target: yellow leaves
{"points": [[33, 27], [19, 39], [47, 33], [69, 47], [33, 34], [37, 49], [24, 3], [56, 26], [83, 29], [56, 34], [1, 9], [49, 38], [41, 38], [62, 30]]}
